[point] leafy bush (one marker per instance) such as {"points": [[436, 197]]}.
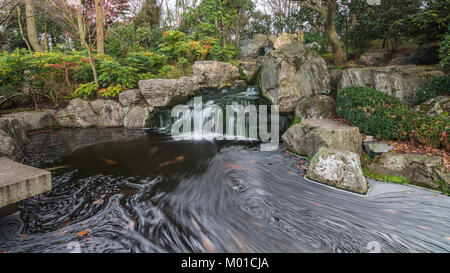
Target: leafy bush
{"points": [[444, 53], [381, 115], [112, 91], [9, 97], [434, 88], [86, 90]]}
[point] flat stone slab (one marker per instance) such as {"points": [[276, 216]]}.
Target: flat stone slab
{"points": [[19, 182]]}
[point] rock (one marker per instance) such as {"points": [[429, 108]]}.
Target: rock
{"points": [[398, 81], [399, 61], [249, 49], [340, 169], [372, 59], [12, 138], [314, 46], [436, 106], [168, 92], [420, 169], [291, 73], [137, 117], [249, 67], [283, 39], [376, 147], [130, 97], [33, 120], [262, 41], [238, 86], [110, 113], [78, 113], [252, 49], [307, 137], [315, 107], [216, 74]]}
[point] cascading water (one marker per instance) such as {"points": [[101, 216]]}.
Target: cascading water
{"points": [[245, 97]]}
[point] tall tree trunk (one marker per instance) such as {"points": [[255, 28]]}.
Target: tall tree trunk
{"points": [[31, 26], [330, 30], [99, 26], [19, 18], [82, 32]]}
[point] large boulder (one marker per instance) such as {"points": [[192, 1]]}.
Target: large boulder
{"points": [[262, 40], [110, 113], [249, 50], [12, 138], [283, 39], [315, 107], [79, 113], [372, 59], [307, 137], [33, 120], [373, 148], [419, 169], [398, 81], [130, 97], [216, 74], [291, 73], [252, 49], [436, 106], [249, 67], [137, 117], [168, 92], [340, 169]]}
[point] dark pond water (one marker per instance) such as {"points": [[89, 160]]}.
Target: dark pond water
{"points": [[144, 192]]}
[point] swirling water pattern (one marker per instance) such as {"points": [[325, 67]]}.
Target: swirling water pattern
{"points": [[154, 194]]}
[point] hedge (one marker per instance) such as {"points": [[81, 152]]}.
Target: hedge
{"points": [[385, 117]]}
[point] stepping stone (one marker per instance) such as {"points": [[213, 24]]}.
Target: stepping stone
{"points": [[19, 182]]}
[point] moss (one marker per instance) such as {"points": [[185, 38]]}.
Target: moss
{"points": [[386, 177], [444, 186], [296, 120]]}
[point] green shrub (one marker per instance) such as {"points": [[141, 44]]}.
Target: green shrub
{"points": [[436, 87], [86, 90], [444, 53], [385, 117], [9, 97]]}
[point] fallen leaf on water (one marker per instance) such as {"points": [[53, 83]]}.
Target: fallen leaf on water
{"points": [[195, 224], [83, 233], [424, 227], [65, 223], [291, 173], [22, 236], [98, 201], [391, 211], [209, 247], [175, 160], [315, 203], [236, 166], [57, 168], [130, 225], [109, 161], [59, 232], [89, 239], [255, 223], [308, 192], [447, 237]]}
